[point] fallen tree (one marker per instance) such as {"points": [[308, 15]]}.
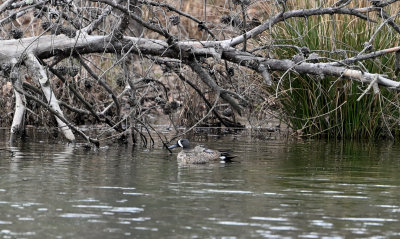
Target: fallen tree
{"points": [[75, 31]]}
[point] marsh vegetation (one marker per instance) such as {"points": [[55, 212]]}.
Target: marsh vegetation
{"points": [[322, 68]]}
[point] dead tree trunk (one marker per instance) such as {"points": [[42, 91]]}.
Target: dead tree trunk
{"points": [[18, 123], [100, 36]]}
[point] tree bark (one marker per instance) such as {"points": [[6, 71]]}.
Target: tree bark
{"points": [[113, 23], [39, 73], [18, 123]]}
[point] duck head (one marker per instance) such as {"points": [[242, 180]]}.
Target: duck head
{"points": [[183, 143]]}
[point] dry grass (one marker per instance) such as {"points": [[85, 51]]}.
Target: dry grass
{"points": [[244, 82]]}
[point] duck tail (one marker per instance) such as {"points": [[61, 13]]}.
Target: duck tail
{"points": [[226, 157]]}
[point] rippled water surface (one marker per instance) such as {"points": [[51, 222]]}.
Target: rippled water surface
{"points": [[276, 189]]}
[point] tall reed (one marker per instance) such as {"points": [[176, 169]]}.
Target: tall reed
{"points": [[327, 106]]}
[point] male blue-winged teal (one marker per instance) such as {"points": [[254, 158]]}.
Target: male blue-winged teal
{"points": [[199, 154]]}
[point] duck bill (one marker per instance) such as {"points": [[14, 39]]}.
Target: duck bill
{"points": [[173, 146]]}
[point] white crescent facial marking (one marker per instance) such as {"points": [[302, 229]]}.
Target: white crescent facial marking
{"points": [[180, 144]]}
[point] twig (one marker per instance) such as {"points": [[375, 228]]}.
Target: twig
{"points": [[199, 121], [373, 83], [58, 115], [101, 82]]}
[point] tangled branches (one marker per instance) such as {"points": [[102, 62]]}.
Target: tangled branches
{"points": [[118, 64]]}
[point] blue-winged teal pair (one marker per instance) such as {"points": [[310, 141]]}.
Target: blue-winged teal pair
{"points": [[199, 154]]}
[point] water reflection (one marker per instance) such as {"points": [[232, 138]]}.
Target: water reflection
{"points": [[276, 189]]}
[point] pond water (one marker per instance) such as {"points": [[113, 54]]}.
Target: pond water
{"points": [[275, 189]]}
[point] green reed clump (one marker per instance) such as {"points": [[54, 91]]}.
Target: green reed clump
{"points": [[328, 106]]}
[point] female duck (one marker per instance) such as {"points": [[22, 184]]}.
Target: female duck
{"points": [[199, 154]]}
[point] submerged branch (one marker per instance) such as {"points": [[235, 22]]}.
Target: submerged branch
{"points": [[58, 115], [108, 28]]}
